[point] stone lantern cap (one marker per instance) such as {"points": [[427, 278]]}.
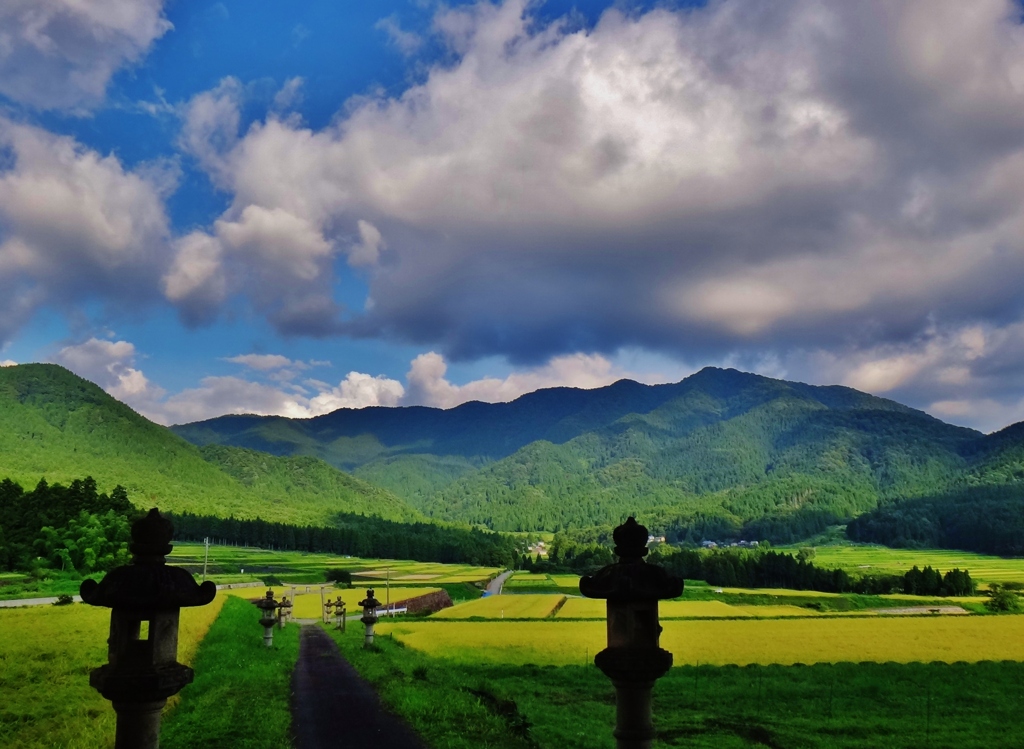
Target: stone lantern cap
{"points": [[631, 578], [148, 584], [369, 602]]}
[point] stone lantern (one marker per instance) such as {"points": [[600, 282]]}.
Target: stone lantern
{"points": [[633, 659], [143, 670], [269, 607], [369, 617], [339, 614]]}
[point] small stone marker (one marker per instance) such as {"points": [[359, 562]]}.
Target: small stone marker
{"points": [[143, 673], [369, 617], [633, 659]]}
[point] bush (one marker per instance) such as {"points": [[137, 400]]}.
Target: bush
{"points": [[1003, 600], [338, 576], [64, 600]]}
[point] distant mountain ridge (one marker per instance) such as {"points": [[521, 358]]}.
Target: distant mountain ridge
{"points": [[722, 453], [58, 426]]}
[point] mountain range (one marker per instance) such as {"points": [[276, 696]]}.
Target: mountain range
{"points": [[721, 454]]}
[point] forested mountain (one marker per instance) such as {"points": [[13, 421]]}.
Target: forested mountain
{"points": [[720, 454], [57, 426]]}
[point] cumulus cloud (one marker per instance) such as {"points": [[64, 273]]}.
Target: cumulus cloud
{"points": [[62, 53], [74, 225], [8, 363], [427, 385], [111, 365], [739, 175]]}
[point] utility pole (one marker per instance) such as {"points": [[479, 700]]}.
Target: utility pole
{"points": [[206, 559], [387, 591]]}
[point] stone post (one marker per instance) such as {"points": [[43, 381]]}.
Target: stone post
{"points": [[268, 606], [633, 659], [143, 672], [369, 617], [283, 609]]}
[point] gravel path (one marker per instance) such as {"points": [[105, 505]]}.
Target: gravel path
{"points": [[333, 706]]}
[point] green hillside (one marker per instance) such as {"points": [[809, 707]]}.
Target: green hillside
{"points": [[722, 453], [57, 426]]}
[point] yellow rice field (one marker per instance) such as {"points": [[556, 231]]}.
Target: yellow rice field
{"points": [[730, 641], [588, 608], [504, 607]]}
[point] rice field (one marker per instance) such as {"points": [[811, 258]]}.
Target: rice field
{"points": [[524, 606], [46, 654], [588, 608], [728, 641], [881, 559]]}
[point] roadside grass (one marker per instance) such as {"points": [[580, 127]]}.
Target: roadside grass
{"points": [[240, 696], [46, 654], [448, 707], [726, 641]]}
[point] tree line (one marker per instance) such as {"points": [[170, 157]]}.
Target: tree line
{"points": [[77, 528], [761, 567], [70, 528], [356, 535]]}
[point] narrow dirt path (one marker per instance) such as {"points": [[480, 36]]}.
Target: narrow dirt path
{"points": [[333, 706]]}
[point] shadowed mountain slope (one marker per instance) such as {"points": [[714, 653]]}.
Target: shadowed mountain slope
{"points": [[721, 453]]}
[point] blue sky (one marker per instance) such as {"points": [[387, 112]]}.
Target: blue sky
{"points": [[212, 207]]}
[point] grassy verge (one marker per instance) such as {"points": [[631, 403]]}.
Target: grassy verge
{"points": [[240, 696], [447, 707]]}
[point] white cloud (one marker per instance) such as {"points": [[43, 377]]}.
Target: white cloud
{"points": [[8, 363], [74, 224], [407, 42], [427, 384], [699, 181], [358, 390], [62, 53], [264, 362], [111, 365]]}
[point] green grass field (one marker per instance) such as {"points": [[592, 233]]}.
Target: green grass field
{"points": [[46, 654]]}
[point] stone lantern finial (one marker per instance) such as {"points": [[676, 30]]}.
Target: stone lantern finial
{"points": [[151, 539], [630, 541]]}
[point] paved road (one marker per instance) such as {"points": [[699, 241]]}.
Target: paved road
{"points": [[494, 586], [32, 602], [332, 705]]}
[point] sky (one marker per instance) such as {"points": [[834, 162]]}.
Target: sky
{"points": [[289, 208]]}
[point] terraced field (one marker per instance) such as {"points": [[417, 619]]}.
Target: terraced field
{"points": [[861, 559], [524, 606]]}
